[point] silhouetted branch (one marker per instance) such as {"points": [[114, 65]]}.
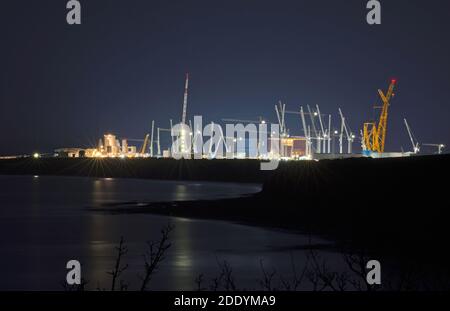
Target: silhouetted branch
{"points": [[266, 282], [155, 255], [357, 264], [121, 251]]}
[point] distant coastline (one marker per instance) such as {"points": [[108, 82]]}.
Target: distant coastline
{"points": [[244, 171]]}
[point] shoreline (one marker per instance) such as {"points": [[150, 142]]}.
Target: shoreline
{"points": [[240, 210], [392, 205], [237, 171]]}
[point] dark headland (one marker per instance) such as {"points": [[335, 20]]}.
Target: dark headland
{"points": [[396, 205]]}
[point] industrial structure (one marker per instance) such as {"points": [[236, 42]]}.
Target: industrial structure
{"points": [[108, 147], [318, 140], [416, 146], [374, 133]]}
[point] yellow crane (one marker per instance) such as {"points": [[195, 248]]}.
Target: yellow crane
{"points": [[374, 135], [144, 145]]}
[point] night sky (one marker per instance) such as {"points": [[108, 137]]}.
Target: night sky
{"points": [[64, 86]]}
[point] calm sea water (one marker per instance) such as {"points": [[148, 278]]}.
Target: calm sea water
{"points": [[47, 221]]}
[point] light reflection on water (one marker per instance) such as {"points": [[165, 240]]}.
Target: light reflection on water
{"points": [[45, 222]]}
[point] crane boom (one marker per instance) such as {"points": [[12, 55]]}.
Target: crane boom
{"points": [[374, 134], [313, 124], [186, 86], [411, 137], [382, 125], [144, 145], [320, 120]]}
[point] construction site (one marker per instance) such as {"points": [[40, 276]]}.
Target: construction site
{"points": [[321, 137]]}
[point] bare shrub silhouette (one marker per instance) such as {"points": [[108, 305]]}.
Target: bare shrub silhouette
{"points": [[295, 280], [315, 274], [155, 255], [267, 280], [225, 280], [122, 250]]}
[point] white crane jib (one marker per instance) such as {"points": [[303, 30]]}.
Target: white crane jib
{"points": [[348, 133], [313, 125], [151, 139], [415, 143], [306, 130], [323, 134], [281, 111], [183, 146], [184, 112], [329, 133]]}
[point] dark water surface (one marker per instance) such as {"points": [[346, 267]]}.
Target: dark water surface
{"points": [[45, 222]]}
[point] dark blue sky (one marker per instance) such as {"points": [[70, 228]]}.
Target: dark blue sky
{"points": [[65, 85]]}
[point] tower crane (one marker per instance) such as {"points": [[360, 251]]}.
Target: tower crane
{"points": [[182, 146], [313, 124], [185, 98], [322, 134], [151, 139], [307, 133], [281, 110], [375, 133], [348, 133]]}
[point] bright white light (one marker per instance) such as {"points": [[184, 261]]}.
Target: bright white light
{"points": [[263, 122], [336, 132], [36, 155], [315, 113]]}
